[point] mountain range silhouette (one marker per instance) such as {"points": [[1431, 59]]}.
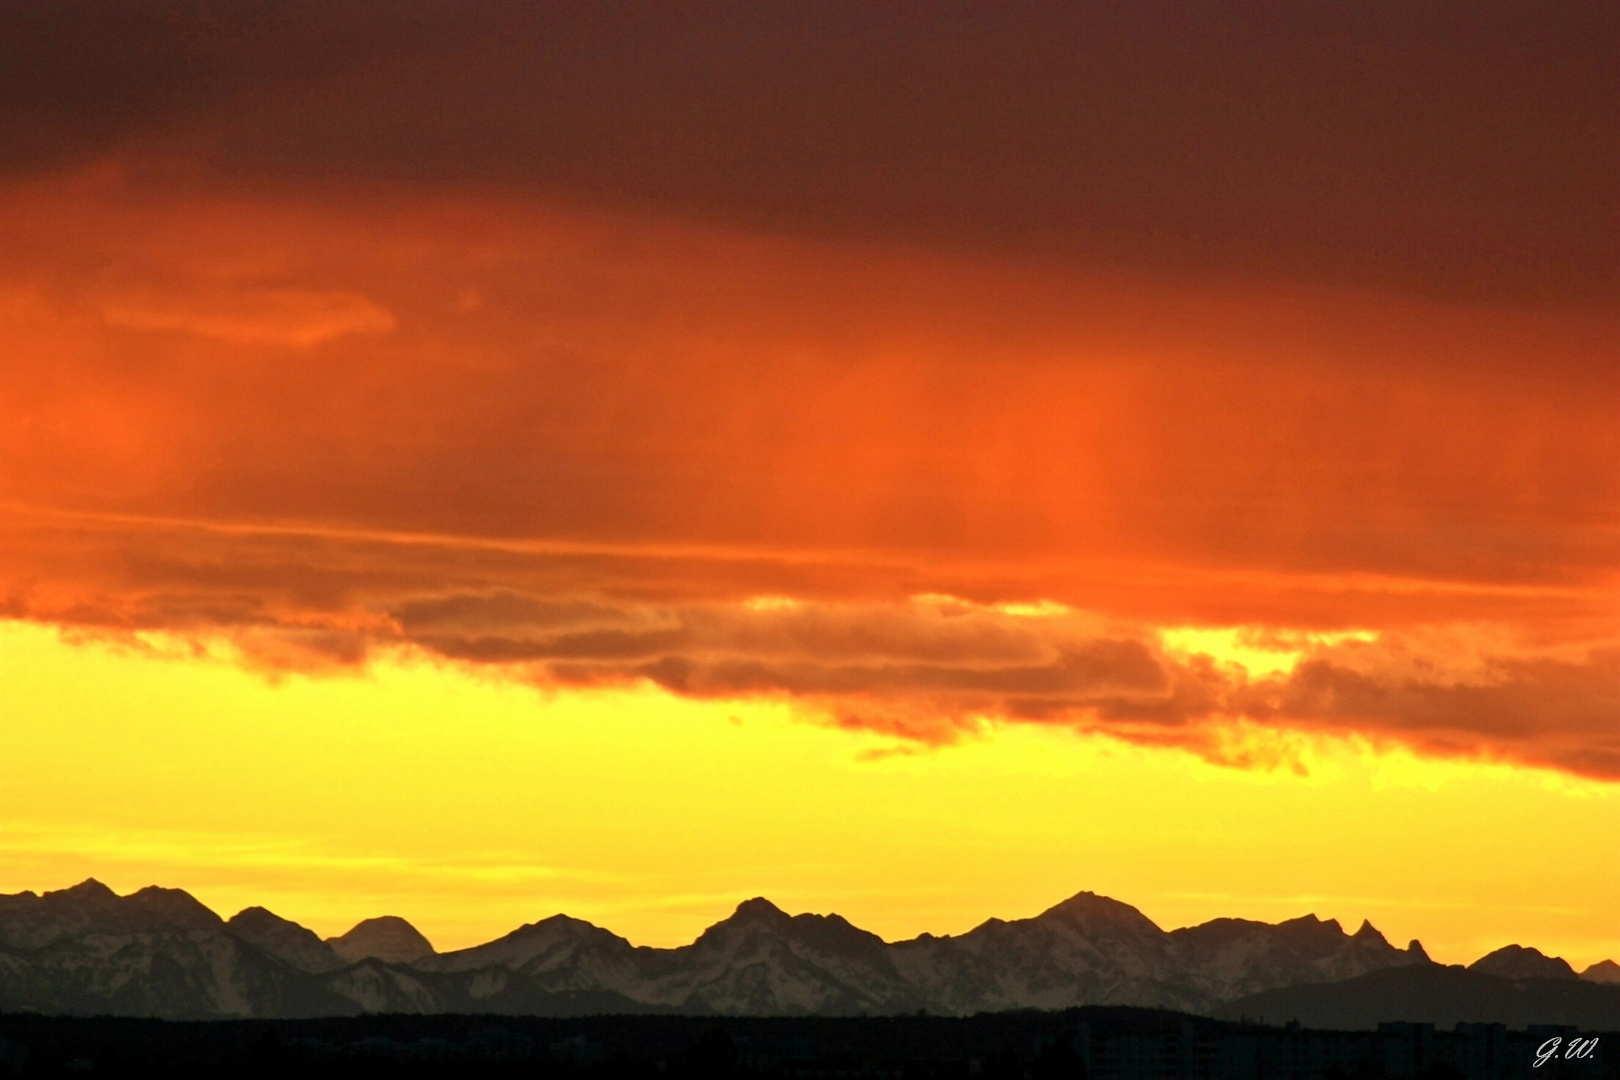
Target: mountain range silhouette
{"points": [[159, 952]]}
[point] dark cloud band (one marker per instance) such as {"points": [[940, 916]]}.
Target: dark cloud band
{"points": [[1450, 149]]}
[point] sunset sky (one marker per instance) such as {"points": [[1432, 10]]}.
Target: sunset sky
{"points": [[475, 461]]}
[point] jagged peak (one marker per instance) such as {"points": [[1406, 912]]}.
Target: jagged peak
{"points": [[1367, 932], [1415, 947], [552, 921], [831, 932], [175, 899], [283, 939], [88, 889], [160, 892], [258, 918], [551, 925], [1086, 906], [255, 914], [1519, 961], [758, 908], [381, 922], [174, 909], [1514, 949], [1604, 971], [831, 923], [529, 941], [761, 910], [1311, 924], [1223, 923], [386, 937]]}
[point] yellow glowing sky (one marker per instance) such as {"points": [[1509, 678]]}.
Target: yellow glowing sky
{"points": [[471, 804]]}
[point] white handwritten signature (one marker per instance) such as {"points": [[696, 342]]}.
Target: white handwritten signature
{"points": [[1577, 1048]]}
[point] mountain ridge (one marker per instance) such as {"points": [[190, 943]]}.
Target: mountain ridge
{"points": [[160, 952]]}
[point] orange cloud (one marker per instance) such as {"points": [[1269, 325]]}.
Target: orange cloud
{"points": [[927, 667], [253, 317], [594, 474]]}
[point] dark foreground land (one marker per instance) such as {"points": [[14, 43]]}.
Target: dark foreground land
{"points": [[1095, 1043]]}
